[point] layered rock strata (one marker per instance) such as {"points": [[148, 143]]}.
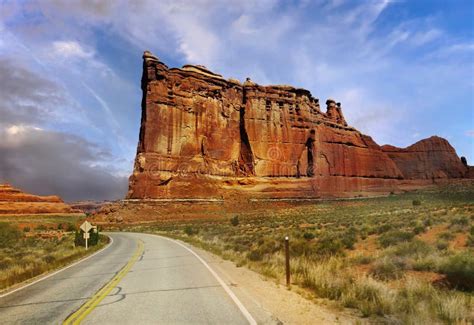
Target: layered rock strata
{"points": [[205, 136], [15, 201]]}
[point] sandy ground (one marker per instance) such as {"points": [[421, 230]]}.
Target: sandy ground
{"points": [[282, 305]]}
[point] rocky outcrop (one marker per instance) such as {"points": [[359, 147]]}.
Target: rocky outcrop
{"points": [[204, 136], [430, 158], [14, 201]]}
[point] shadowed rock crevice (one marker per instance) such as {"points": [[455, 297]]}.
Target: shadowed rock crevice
{"points": [[246, 161]]}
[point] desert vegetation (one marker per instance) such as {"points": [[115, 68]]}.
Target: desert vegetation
{"points": [[404, 258], [33, 245]]}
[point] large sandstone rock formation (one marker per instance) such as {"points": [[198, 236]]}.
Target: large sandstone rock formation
{"points": [[427, 159], [14, 201], [204, 136]]}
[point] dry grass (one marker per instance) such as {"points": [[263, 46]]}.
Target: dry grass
{"points": [[384, 257], [22, 258]]}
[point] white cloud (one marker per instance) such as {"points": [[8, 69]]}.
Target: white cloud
{"points": [[470, 133], [70, 50]]}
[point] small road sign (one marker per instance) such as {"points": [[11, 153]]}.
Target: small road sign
{"points": [[86, 226]]}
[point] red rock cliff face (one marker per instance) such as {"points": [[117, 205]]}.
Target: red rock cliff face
{"points": [[204, 136], [427, 159]]}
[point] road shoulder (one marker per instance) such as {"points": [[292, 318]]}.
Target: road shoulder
{"points": [[269, 302]]}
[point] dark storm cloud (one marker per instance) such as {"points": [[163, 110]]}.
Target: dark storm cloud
{"points": [[26, 97], [46, 162]]}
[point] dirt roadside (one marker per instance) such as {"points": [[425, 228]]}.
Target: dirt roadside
{"points": [[280, 305]]}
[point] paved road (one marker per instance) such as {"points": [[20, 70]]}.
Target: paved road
{"points": [[167, 284]]}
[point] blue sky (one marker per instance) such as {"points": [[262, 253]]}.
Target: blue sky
{"points": [[70, 74]]}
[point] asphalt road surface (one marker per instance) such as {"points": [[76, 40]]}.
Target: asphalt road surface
{"points": [[138, 279]]}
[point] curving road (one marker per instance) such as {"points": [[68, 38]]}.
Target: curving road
{"points": [[138, 279]]}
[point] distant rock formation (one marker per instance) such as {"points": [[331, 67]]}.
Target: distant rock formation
{"points": [[204, 136], [427, 159], [14, 201]]}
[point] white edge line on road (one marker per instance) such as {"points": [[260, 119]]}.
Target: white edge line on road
{"points": [[60, 270], [236, 300]]}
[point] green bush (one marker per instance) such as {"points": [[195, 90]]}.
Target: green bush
{"points": [[394, 237], [234, 221], [419, 229], [348, 240], [308, 235], [462, 221], [413, 248], [255, 255], [387, 269], [26, 229], [329, 246], [9, 235], [383, 228], [470, 238], [459, 270], [446, 236], [188, 230], [41, 227], [416, 202], [442, 245], [80, 241]]}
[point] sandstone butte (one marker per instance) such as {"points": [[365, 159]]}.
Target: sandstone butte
{"points": [[14, 201], [203, 136]]}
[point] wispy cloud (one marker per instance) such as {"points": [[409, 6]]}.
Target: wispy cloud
{"points": [[396, 69], [70, 50]]}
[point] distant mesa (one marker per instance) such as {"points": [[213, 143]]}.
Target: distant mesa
{"points": [[203, 136], [15, 201]]}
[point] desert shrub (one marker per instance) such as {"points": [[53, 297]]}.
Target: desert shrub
{"points": [[371, 297], [462, 221], [9, 235], [234, 221], [328, 245], [93, 240], [446, 236], [255, 255], [427, 222], [349, 238], [470, 238], [41, 227], [416, 202], [308, 235], [442, 245], [388, 268], [426, 263], [188, 230], [394, 237], [70, 227], [299, 247], [26, 229], [362, 259], [60, 226], [383, 228], [49, 258], [412, 248], [459, 270], [419, 229]]}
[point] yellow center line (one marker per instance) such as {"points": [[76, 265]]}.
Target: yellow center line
{"points": [[89, 305]]}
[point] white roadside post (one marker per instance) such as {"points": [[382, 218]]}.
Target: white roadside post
{"points": [[86, 227]]}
